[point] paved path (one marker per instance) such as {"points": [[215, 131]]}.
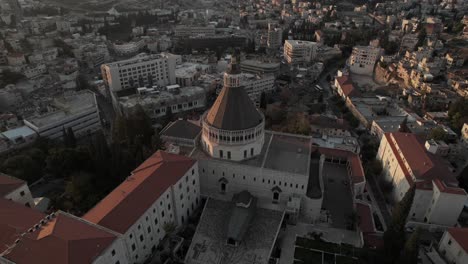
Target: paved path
{"points": [[379, 198]]}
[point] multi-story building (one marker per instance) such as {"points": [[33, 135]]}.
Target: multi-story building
{"points": [[157, 102], [406, 163], [15, 190], [453, 246], [164, 190], [141, 70], [129, 48], [255, 85], [299, 51], [275, 36], [189, 31], [260, 67], [76, 111], [363, 59], [464, 133], [187, 73]]}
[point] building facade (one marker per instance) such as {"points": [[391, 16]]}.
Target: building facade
{"points": [[299, 51], [142, 70]]}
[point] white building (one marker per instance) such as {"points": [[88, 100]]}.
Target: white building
{"points": [[406, 163], [299, 51], [454, 245], [164, 190], [129, 48], [254, 85], [141, 70], [77, 111], [16, 190], [363, 59], [275, 36], [190, 31], [186, 73], [156, 102]]}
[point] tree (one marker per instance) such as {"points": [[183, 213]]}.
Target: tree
{"points": [[438, 133], [22, 167], [71, 138], [263, 101], [458, 114], [410, 251], [394, 236]]}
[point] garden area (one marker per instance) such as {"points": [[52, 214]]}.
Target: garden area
{"points": [[316, 250]]}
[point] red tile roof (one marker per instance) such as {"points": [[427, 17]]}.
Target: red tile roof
{"points": [[8, 184], [347, 86], [357, 171], [366, 220], [461, 236], [65, 239], [424, 165], [120, 209], [15, 219], [448, 189]]}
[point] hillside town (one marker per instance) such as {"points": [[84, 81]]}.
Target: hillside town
{"points": [[233, 132]]}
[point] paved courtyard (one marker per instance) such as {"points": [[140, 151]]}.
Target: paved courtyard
{"points": [[338, 199]]}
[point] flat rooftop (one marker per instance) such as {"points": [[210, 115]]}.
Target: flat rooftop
{"points": [[65, 106], [281, 152], [209, 244], [163, 97]]}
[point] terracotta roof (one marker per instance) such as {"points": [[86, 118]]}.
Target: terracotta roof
{"points": [[357, 171], [15, 219], [233, 110], [461, 236], [125, 204], [448, 189], [8, 184], [366, 220], [65, 239], [347, 86], [423, 164]]}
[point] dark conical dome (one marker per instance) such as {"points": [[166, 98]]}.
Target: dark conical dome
{"points": [[233, 110]]}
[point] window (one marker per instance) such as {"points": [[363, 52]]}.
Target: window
{"points": [[139, 226], [251, 152], [149, 229], [141, 237], [133, 247], [22, 193], [113, 252], [169, 207], [223, 187], [162, 213], [221, 153], [245, 153], [131, 236], [449, 242], [229, 154], [117, 262], [155, 221], [275, 197], [193, 171], [193, 182]]}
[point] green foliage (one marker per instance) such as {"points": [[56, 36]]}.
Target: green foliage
{"points": [[394, 236], [438, 133], [458, 114], [23, 167], [263, 101], [410, 251], [9, 77]]}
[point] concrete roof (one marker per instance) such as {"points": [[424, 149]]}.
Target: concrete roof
{"points": [[210, 239], [15, 133]]}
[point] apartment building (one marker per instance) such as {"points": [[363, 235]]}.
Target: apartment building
{"points": [[189, 31], [406, 162], [163, 190], [363, 59], [453, 246], [141, 70], [299, 51], [275, 36]]}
